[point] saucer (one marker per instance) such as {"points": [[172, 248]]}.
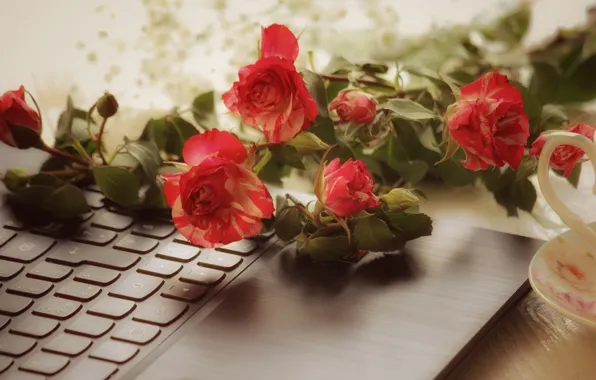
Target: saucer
{"points": [[563, 274]]}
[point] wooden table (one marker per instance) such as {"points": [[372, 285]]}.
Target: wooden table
{"points": [[533, 342]]}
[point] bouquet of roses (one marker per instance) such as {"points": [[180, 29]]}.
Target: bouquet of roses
{"points": [[210, 177]]}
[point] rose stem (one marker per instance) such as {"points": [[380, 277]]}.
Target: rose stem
{"points": [[59, 153], [98, 142], [340, 78]]}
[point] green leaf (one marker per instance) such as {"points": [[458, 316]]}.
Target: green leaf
{"points": [[337, 64], [527, 167], [552, 117], [511, 27], [316, 88], [334, 88], [574, 176], [43, 179], [324, 248], [509, 192], [443, 89], [203, 110], [156, 131], [454, 174], [287, 155], [154, 197], [54, 163], [545, 80], [288, 223], [63, 129], [374, 68], [411, 171], [323, 128], [409, 110], [307, 142], [147, 154], [66, 201], [426, 136], [532, 107], [373, 234], [525, 195], [273, 172], [31, 195], [24, 137], [410, 226], [589, 47], [117, 184], [178, 131]]}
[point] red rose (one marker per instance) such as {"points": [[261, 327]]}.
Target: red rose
{"points": [[353, 105], [565, 156], [347, 188], [219, 200], [489, 123], [14, 110], [271, 95]]}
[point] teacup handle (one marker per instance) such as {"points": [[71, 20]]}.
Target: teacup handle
{"points": [[553, 140]]}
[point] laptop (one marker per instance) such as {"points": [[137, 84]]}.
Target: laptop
{"points": [[129, 298]]}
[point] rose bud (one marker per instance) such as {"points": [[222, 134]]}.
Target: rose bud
{"points": [[271, 95], [15, 115], [564, 157], [354, 106], [489, 123], [107, 106], [347, 188], [219, 200]]}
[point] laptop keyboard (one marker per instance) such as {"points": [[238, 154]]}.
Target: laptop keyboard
{"points": [[91, 300]]}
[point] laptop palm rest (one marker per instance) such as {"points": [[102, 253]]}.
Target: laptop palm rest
{"points": [[408, 316]]}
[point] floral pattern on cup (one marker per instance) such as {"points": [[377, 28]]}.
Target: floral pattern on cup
{"points": [[572, 262]]}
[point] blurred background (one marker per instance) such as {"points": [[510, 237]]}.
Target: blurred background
{"points": [[157, 54]]}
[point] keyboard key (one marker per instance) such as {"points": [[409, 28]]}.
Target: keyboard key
{"points": [[160, 268], [45, 364], [9, 269], [56, 230], [199, 275], [4, 321], [91, 369], [75, 254], [49, 272], [97, 276], [94, 199], [136, 244], [30, 287], [112, 221], [23, 376], [242, 247], [35, 327], [6, 235], [25, 248], [14, 305], [5, 363], [135, 332], [160, 311], [218, 260], [137, 287], [184, 292], [95, 236], [57, 308], [14, 345], [69, 345], [115, 352], [157, 230], [178, 252], [90, 326], [77, 291], [112, 308]]}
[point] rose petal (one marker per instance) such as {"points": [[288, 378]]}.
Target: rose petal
{"points": [[171, 187], [278, 41], [251, 196], [230, 100], [223, 143]]}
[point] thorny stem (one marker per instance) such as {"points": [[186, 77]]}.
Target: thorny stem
{"points": [[300, 207], [264, 146], [262, 162], [99, 139], [65, 172], [341, 78]]}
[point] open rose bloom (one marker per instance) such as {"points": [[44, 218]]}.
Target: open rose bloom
{"points": [[270, 95], [489, 123], [218, 200]]}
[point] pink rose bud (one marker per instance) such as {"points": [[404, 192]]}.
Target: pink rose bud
{"points": [[354, 106], [219, 200], [347, 188], [565, 156], [489, 123], [15, 112]]}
